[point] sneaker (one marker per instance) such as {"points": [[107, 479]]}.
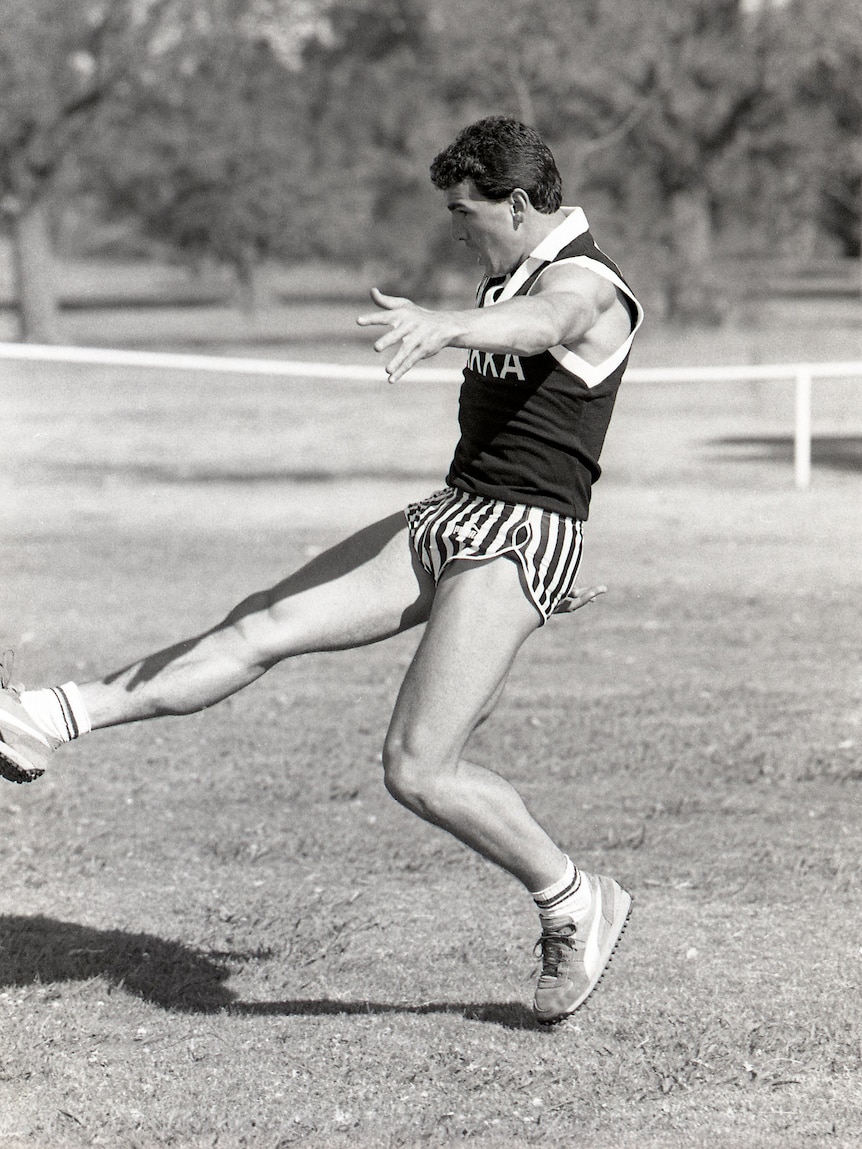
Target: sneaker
{"points": [[24, 748], [575, 955]]}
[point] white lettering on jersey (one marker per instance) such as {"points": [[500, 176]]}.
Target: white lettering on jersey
{"points": [[495, 366], [512, 366]]}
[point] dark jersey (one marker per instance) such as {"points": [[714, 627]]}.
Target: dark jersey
{"points": [[533, 426]]}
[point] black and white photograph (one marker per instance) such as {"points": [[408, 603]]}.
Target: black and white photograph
{"points": [[430, 574]]}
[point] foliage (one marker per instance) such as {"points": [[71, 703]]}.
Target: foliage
{"points": [[58, 64], [682, 124], [827, 43], [251, 129], [199, 152], [660, 114], [372, 116]]}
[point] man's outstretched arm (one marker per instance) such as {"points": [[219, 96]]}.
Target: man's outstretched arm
{"points": [[561, 312]]}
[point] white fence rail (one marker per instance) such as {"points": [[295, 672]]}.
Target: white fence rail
{"points": [[802, 374]]}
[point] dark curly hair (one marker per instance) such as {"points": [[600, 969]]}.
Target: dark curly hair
{"points": [[500, 154]]}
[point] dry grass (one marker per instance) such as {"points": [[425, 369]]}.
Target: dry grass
{"points": [[219, 930]]}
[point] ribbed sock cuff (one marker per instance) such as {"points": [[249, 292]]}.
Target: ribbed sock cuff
{"points": [[547, 897], [58, 710], [568, 898], [77, 706]]}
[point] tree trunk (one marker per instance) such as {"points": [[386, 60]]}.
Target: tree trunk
{"points": [[693, 292], [249, 285], [34, 275]]}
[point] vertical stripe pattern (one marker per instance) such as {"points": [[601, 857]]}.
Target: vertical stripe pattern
{"points": [[452, 524]]}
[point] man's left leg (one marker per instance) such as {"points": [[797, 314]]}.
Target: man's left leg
{"points": [[479, 621]]}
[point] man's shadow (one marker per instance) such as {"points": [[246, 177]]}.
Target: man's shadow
{"points": [[182, 978], [166, 973], [837, 452]]}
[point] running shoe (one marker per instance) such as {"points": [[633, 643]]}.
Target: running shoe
{"points": [[24, 748], [575, 955]]}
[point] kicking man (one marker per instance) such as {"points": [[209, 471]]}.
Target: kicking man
{"points": [[483, 562]]}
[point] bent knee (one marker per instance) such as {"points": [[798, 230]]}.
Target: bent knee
{"points": [[412, 778]]}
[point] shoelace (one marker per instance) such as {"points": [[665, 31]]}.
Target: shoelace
{"points": [[6, 668], [555, 946]]}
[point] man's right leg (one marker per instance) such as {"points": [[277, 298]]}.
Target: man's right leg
{"points": [[364, 589]]}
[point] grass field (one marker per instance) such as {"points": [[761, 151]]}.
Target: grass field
{"points": [[220, 930]]}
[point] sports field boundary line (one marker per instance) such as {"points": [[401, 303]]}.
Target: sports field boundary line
{"points": [[299, 369], [220, 364], [802, 374]]}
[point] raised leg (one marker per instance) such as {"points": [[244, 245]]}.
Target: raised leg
{"points": [[365, 589]]}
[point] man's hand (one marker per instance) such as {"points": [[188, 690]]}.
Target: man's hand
{"points": [[420, 333], [579, 597]]}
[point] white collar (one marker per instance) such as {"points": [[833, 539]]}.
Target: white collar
{"points": [[570, 228]]}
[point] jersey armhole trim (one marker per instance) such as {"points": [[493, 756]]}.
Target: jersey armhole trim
{"points": [[594, 374]]}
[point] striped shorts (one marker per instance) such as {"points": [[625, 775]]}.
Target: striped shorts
{"points": [[452, 524]]}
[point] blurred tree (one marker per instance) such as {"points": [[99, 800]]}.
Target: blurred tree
{"points": [[643, 104], [207, 149], [248, 129], [175, 110], [825, 56], [58, 64], [374, 121], [695, 88]]}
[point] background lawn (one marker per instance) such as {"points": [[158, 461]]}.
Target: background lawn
{"points": [[220, 930]]}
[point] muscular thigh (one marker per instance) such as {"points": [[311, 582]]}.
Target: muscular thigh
{"points": [[364, 589], [479, 621]]}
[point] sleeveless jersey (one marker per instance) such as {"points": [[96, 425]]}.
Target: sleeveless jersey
{"points": [[533, 426]]}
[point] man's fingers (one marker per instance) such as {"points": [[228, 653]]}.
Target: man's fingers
{"points": [[374, 319], [387, 340], [580, 597], [387, 303], [401, 363], [409, 326]]}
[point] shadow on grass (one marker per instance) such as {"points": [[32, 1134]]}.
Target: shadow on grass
{"points": [[168, 974], [840, 452], [40, 950], [510, 1014]]}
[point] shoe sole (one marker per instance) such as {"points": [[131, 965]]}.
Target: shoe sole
{"points": [[15, 767], [621, 920]]}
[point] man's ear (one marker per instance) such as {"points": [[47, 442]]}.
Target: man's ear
{"points": [[520, 201]]}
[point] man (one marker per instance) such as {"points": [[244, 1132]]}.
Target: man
{"points": [[483, 562]]}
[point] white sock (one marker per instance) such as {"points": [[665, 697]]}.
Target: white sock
{"points": [[58, 710], [570, 897]]}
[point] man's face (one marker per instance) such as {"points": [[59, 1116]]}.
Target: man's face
{"points": [[486, 227]]}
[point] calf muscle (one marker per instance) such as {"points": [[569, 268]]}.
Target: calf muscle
{"points": [[365, 589]]}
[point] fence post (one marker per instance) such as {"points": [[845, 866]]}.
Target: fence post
{"points": [[802, 433]]}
